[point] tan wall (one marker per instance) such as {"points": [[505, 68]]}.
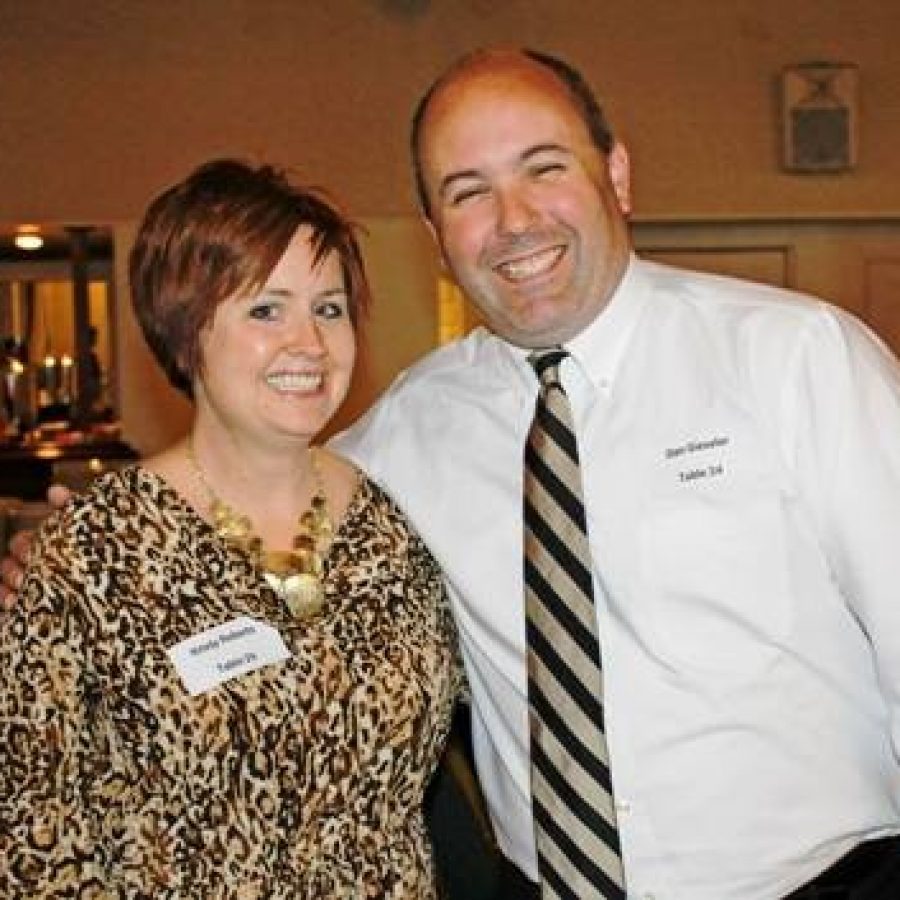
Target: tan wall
{"points": [[854, 264], [102, 103]]}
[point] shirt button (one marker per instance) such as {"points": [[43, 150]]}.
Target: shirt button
{"points": [[623, 807]]}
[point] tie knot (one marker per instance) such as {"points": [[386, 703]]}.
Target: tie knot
{"points": [[546, 364]]}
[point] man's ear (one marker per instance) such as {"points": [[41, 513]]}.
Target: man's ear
{"points": [[619, 167], [432, 230], [426, 219]]}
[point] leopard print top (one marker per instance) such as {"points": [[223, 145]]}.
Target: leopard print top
{"points": [[301, 779]]}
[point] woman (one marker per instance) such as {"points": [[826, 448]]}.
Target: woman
{"points": [[232, 669]]}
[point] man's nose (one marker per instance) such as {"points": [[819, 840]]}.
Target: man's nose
{"points": [[515, 212]]}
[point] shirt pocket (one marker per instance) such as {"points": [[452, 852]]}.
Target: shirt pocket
{"points": [[718, 582]]}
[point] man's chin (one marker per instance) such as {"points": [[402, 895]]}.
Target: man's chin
{"points": [[535, 335]]}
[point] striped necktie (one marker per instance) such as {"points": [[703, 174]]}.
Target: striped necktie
{"points": [[571, 791]]}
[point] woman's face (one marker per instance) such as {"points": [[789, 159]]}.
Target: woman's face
{"points": [[276, 365]]}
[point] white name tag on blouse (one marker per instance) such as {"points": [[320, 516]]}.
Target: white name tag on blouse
{"points": [[212, 657]]}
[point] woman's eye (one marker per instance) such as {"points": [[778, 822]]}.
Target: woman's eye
{"points": [[331, 309], [264, 312]]}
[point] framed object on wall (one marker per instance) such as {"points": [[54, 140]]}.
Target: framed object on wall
{"points": [[819, 117]]}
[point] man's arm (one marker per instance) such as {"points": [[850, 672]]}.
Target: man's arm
{"points": [[12, 566], [846, 418]]}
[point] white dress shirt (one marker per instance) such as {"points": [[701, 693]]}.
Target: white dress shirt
{"points": [[740, 448]]}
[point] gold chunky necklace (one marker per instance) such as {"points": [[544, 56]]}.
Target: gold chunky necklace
{"points": [[294, 575]]}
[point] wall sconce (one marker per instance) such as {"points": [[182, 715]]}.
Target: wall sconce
{"points": [[819, 116], [28, 237]]}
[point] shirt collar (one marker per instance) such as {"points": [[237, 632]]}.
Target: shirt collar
{"points": [[600, 348]]}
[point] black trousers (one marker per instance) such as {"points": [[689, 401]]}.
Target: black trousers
{"points": [[870, 871], [514, 885]]}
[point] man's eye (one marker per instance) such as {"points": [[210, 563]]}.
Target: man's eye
{"points": [[549, 168], [469, 193]]}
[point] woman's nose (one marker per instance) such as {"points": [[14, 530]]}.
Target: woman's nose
{"points": [[305, 336]]}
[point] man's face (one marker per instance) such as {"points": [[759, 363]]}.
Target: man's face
{"points": [[526, 210]]}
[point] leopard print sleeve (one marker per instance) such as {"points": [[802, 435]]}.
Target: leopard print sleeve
{"points": [[426, 569], [46, 699]]}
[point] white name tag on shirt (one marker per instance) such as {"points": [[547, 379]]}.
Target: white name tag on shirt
{"points": [[212, 657]]}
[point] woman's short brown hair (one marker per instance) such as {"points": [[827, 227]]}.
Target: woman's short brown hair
{"points": [[220, 233]]}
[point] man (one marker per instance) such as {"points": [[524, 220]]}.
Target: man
{"points": [[740, 457]]}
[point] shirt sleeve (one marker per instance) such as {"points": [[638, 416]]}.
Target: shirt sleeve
{"points": [[45, 833], [367, 442], [844, 412]]}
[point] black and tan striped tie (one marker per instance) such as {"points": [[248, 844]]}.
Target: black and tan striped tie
{"points": [[571, 790]]}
